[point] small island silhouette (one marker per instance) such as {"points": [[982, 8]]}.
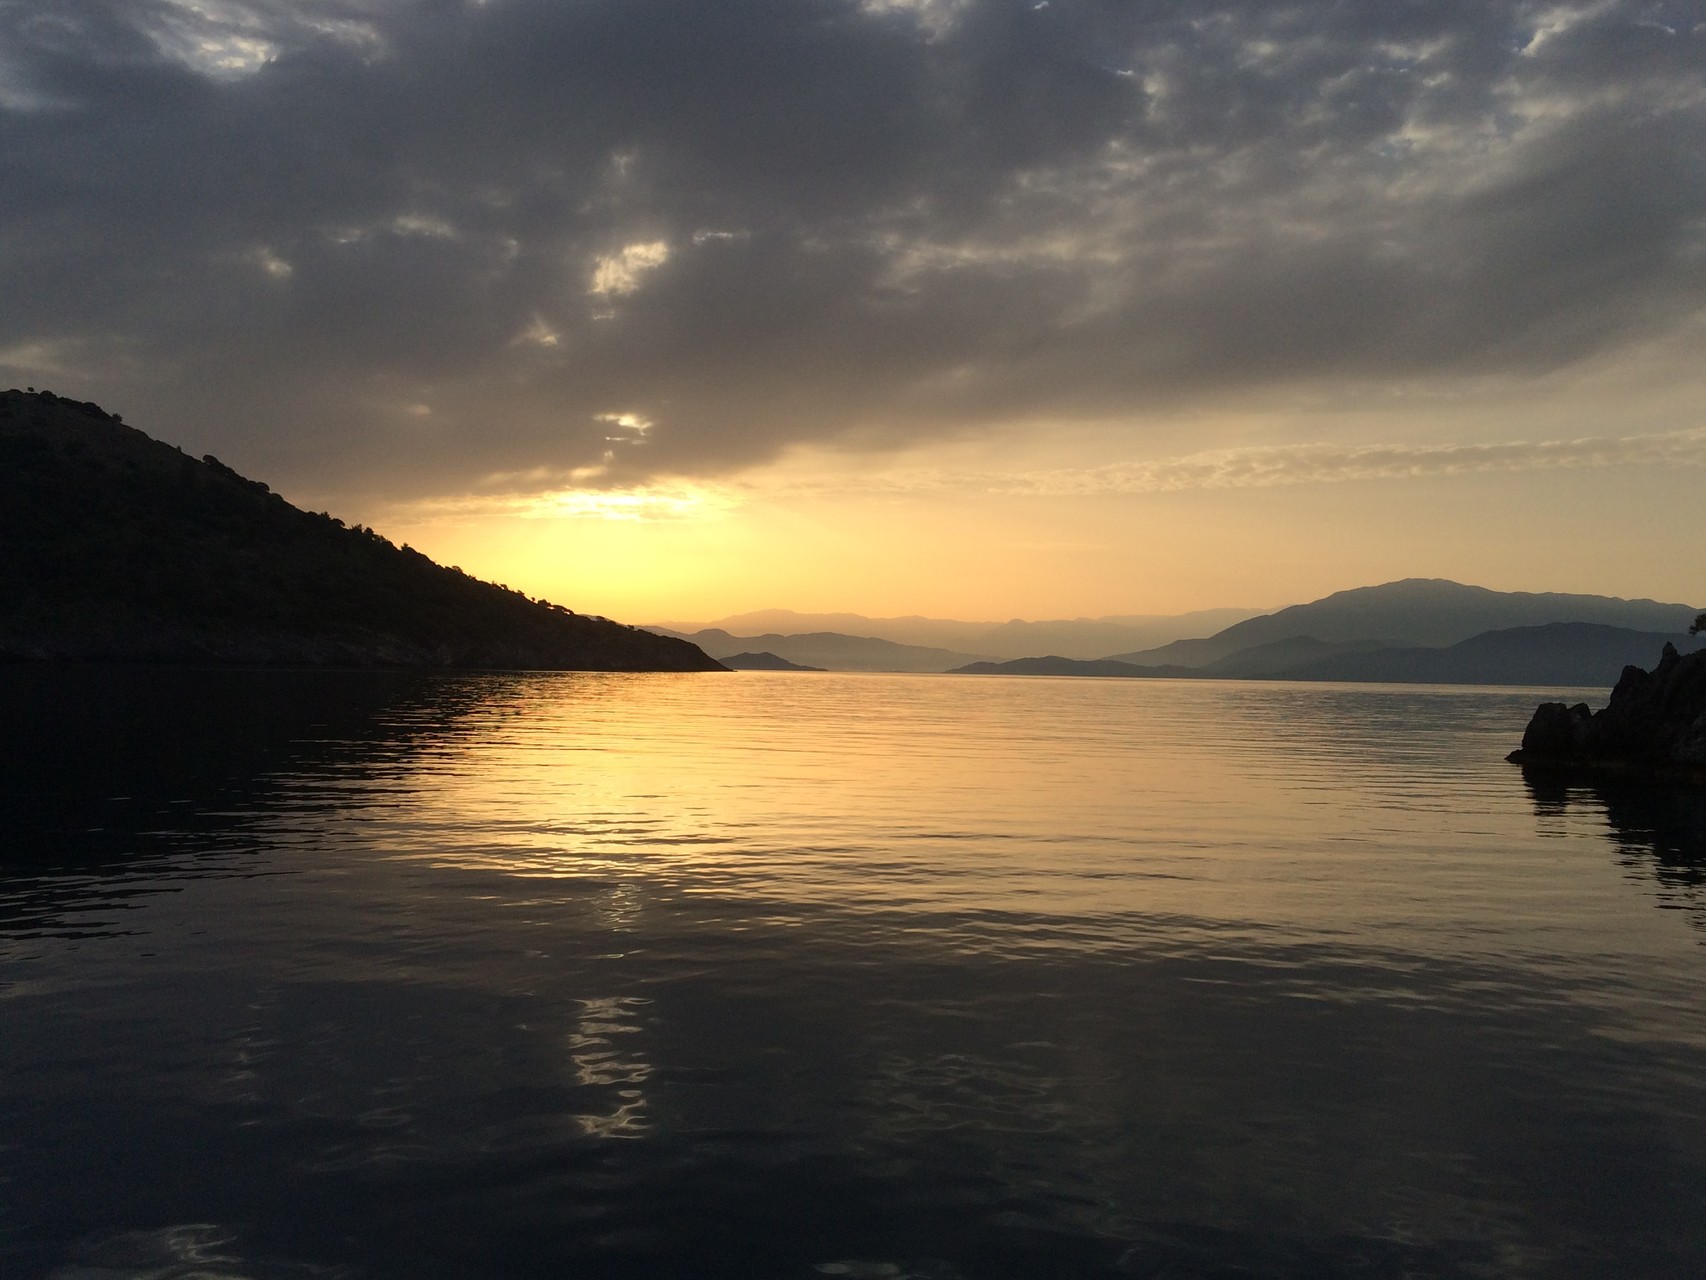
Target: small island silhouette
{"points": [[763, 661], [118, 547]]}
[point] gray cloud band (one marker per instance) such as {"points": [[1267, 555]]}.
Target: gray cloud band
{"points": [[546, 493], [1326, 464], [402, 243]]}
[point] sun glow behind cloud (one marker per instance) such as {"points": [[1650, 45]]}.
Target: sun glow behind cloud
{"points": [[1211, 301], [963, 531], [621, 272], [635, 423], [652, 503]]}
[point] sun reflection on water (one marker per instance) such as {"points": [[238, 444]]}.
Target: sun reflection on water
{"points": [[603, 1063]]}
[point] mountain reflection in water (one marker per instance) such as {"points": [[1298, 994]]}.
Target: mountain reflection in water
{"points": [[387, 975]]}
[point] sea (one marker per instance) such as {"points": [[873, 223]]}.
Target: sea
{"points": [[394, 976]]}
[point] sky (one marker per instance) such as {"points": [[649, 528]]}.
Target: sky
{"points": [[967, 308]]}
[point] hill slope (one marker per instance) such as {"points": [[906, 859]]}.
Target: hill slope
{"points": [[114, 546], [1583, 654], [1418, 611]]}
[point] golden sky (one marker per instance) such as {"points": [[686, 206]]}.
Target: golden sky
{"points": [[984, 308], [1073, 522]]}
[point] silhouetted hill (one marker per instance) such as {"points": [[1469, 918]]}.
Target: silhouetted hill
{"points": [[763, 662], [1562, 653], [1582, 654], [1417, 611], [831, 650], [118, 547]]}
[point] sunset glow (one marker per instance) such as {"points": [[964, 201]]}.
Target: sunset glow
{"points": [[895, 305]]}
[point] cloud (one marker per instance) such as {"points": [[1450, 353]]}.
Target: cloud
{"points": [[563, 500], [621, 272], [767, 223], [1264, 468], [636, 423], [1300, 464]]}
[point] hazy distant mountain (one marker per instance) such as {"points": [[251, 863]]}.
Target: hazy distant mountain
{"points": [[1095, 637], [1416, 611], [114, 546], [762, 662], [1584, 654], [1560, 653], [829, 650], [1370, 633], [1070, 637], [938, 633]]}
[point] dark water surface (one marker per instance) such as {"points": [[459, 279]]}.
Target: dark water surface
{"points": [[867, 976]]}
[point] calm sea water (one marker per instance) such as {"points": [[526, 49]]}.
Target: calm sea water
{"points": [[838, 975]]}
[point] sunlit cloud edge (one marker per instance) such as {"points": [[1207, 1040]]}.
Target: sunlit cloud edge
{"points": [[1276, 466], [638, 505], [1261, 467]]}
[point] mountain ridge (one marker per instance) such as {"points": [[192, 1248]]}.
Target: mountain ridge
{"points": [[1428, 612], [1572, 654]]}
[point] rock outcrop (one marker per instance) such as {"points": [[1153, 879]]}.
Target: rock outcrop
{"points": [[1655, 723]]}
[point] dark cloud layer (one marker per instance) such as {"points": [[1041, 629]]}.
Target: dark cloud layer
{"points": [[411, 243]]}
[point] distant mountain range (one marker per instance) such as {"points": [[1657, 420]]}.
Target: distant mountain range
{"points": [[827, 650], [1579, 654], [116, 547], [1419, 630], [1557, 653], [1071, 637], [1415, 611]]}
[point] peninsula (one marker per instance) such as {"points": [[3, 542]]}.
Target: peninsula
{"points": [[117, 547]]}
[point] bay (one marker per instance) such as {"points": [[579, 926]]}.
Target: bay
{"points": [[514, 975]]}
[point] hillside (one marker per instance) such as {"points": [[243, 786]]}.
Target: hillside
{"points": [[1583, 654], [1279, 657], [1417, 611], [120, 548], [1561, 653]]}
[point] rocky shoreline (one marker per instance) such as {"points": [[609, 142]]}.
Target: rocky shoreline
{"points": [[1654, 725]]}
